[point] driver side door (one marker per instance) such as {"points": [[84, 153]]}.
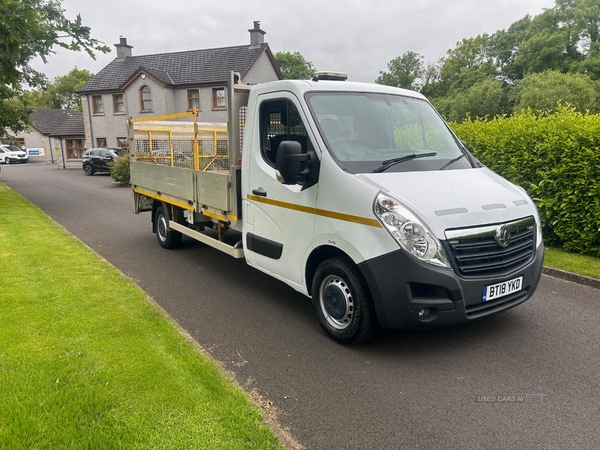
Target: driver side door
{"points": [[279, 219]]}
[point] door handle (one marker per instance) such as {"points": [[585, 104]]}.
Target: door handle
{"points": [[260, 192]]}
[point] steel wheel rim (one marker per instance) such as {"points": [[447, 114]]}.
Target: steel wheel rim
{"points": [[161, 228], [336, 301]]}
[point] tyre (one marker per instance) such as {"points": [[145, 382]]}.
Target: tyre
{"points": [[88, 169], [7, 160], [167, 238], [342, 301]]}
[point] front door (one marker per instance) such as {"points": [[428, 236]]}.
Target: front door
{"points": [[279, 219]]}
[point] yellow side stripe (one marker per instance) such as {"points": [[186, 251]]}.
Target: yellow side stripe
{"points": [[318, 212], [185, 206], [158, 197], [219, 216]]}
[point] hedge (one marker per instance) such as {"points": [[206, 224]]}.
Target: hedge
{"points": [[556, 158]]}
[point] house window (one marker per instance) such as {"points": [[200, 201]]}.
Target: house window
{"points": [[118, 104], [122, 142], [219, 98], [97, 105], [146, 99], [193, 96], [75, 148], [100, 142]]}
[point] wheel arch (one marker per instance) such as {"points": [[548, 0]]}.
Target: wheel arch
{"points": [[316, 257]]}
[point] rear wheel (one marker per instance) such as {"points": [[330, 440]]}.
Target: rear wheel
{"points": [[342, 301], [88, 169], [167, 238]]}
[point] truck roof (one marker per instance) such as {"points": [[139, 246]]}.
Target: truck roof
{"points": [[301, 87]]}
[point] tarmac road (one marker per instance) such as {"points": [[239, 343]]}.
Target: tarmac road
{"points": [[527, 378]]}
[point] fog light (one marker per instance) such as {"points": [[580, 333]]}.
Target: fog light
{"points": [[424, 313]]}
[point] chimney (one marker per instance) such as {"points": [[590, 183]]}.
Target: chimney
{"points": [[257, 36], [123, 50]]}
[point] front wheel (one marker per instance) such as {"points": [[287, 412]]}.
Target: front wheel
{"points": [[167, 238], [7, 160], [342, 301]]}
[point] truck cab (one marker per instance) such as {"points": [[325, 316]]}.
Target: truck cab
{"points": [[361, 197]]}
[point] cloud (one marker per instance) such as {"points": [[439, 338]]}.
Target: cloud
{"points": [[353, 36]]}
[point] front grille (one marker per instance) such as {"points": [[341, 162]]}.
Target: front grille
{"points": [[475, 252]]}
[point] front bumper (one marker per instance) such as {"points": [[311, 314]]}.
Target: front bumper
{"points": [[18, 159], [402, 286]]}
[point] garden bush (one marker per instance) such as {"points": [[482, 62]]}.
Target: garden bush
{"points": [[556, 158], [119, 170]]}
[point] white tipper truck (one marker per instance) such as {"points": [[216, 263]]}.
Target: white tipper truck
{"points": [[356, 195]]}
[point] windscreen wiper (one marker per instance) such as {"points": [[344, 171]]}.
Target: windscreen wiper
{"points": [[385, 165], [452, 161]]}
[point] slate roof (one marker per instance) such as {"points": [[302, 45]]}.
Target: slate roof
{"points": [[194, 67], [58, 122]]}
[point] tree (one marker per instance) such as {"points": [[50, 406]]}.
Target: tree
{"points": [[294, 66], [468, 63], [60, 93], [485, 99], [31, 28], [405, 71], [543, 91], [504, 48]]}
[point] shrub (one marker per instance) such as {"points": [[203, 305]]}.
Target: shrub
{"points": [[119, 170], [556, 158]]}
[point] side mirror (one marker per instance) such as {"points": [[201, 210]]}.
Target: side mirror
{"points": [[291, 163], [295, 166]]}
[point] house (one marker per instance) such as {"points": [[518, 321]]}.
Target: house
{"points": [[136, 86], [56, 136]]}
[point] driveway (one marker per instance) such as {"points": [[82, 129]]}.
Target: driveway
{"points": [[527, 378]]}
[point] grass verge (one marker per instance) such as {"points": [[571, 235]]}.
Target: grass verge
{"points": [[86, 361], [571, 262]]}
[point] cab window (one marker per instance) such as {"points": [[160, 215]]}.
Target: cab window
{"points": [[280, 121]]}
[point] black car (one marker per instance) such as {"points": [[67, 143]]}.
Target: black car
{"points": [[97, 159]]}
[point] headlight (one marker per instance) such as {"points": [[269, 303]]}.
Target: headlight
{"points": [[539, 238], [409, 231]]}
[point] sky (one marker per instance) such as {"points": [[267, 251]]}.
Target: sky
{"points": [[358, 37]]}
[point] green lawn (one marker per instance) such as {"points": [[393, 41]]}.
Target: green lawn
{"points": [[570, 262], [87, 361]]}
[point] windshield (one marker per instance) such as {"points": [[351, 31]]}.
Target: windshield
{"points": [[12, 148], [385, 133]]}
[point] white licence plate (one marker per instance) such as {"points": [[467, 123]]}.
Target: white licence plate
{"points": [[501, 289]]}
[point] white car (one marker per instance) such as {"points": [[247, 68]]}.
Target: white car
{"points": [[11, 154]]}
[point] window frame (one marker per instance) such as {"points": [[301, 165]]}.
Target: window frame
{"points": [[146, 89], [97, 106], [115, 103], [79, 148], [216, 97], [191, 99], [99, 142], [121, 140]]}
